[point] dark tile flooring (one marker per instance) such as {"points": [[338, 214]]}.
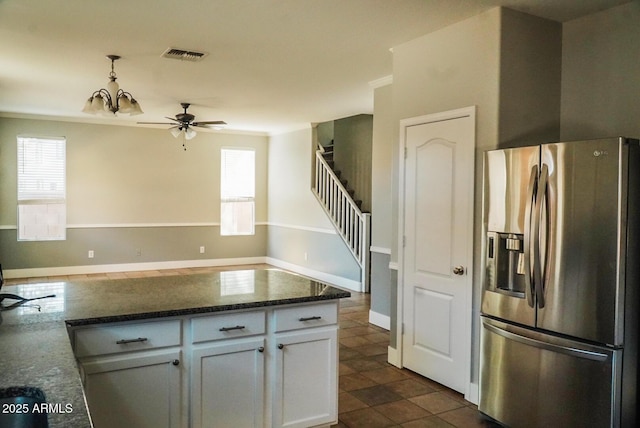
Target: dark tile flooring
{"points": [[374, 393]]}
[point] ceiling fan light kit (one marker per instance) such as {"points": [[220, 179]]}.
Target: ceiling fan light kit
{"points": [[188, 133], [111, 100], [184, 123]]}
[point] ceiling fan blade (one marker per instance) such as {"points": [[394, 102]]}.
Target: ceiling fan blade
{"points": [[209, 122], [172, 118], [154, 123]]}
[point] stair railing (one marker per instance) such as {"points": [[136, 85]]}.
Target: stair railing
{"points": [[350, 222]]}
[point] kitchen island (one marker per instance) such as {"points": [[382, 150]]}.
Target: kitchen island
{"points": [[186, 321]]}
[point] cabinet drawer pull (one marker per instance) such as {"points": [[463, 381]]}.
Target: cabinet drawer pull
{"points": [[175, 362], [309, 318], [280, 346], [261, 349], [125, 341], [237, 327]]}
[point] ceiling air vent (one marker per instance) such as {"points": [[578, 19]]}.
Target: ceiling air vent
{"points": [[183, 55]]}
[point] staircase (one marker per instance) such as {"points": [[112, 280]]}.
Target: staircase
{"points": [[353, 225]]}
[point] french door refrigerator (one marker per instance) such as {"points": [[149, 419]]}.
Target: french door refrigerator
{"points": [[560, 298]]}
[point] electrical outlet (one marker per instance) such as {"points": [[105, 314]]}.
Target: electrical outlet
{"points": [[90, 254], [202, 250]]}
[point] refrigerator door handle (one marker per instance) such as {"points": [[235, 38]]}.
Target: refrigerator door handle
{"points": [[538, 273], [574, 352], [528, 213]]}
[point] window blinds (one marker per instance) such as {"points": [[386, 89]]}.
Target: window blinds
{"points": [[41, 168], [41, 188], [238, 178], [237, 192]]}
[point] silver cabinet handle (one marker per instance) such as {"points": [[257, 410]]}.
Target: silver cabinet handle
{"points": [[175, 362], [310, 318], [237, 327], [125, 341], [280, 346], [261, 349], [458, 270]]}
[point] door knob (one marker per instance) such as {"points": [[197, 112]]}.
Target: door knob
{"points": [[458, 270]]}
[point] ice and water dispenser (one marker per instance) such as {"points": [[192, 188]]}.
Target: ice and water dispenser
{"points": [[505, 263]]}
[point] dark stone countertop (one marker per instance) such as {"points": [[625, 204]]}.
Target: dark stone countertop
{"points": [[34, 344]]}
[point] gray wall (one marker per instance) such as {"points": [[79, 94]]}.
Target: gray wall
{"points": [[312, 250], [131, 188], [134, 188], [458, 66], [119, 245], [352, 155], [298, 225], [532, 80], [324, 133], [600, 84], [530, 64], [464, 65], [381, 175]]}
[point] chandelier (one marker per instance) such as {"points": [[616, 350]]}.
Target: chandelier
{"points": [[113, 99]]}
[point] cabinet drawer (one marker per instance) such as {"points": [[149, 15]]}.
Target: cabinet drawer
{"points": [[111, 339], [305, 316], [228, 326]]}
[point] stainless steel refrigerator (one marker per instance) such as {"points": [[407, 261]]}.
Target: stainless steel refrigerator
{"points": [[560, 300]]}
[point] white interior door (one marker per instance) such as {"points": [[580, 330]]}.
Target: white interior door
{"points": [[437, 253]]}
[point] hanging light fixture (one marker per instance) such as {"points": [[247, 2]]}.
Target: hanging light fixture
{"points": [[113, 99]]}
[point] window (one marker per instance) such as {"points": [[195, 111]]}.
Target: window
{"points": [[237, 192], [42, 207]]}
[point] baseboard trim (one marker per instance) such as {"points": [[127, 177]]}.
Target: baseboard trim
{"points": [[473, 393], [129, 267], [380, 320], [393, 357], [338, 281]]}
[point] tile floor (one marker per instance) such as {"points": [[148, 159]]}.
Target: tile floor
{"points": [[372, 392]]}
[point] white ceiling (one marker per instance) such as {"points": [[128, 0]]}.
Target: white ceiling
{"points": [[273, 65]]}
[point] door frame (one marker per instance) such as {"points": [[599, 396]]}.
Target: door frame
{"points": [[404, 124]]}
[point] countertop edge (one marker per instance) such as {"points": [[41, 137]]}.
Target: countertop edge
{"points": [[204, 309]]}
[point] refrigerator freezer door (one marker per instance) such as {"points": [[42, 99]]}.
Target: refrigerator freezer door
{"points": [[506, 178], [509, 179], [532, 380], [583, 228]]}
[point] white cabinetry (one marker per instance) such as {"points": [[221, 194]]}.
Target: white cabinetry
{"points": [[132, 373], [274, 367], [305, 379], [306, 375], [228, 370]]}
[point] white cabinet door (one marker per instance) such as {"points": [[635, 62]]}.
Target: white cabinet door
{"points": [[138, 390], [306, 375], [227, 381]]}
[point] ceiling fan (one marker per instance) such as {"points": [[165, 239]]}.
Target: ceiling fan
{"points": [[184, 123]]}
